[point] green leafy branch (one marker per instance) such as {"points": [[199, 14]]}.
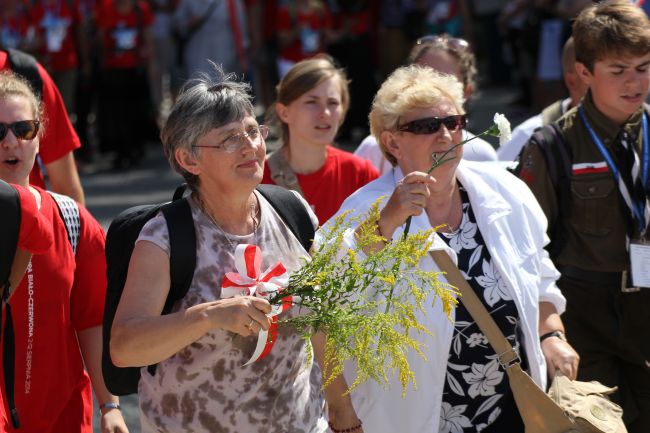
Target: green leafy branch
{"points": [[367, 306]]}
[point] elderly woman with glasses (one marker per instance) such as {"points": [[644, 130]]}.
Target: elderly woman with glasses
{"points": [[491, 223], [201, 382]]}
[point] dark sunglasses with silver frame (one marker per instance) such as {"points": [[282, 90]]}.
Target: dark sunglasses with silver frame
{"points": [[22, 129], [431, 125]]}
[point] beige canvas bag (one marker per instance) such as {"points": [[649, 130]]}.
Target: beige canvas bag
{"points": [[570, 406]]}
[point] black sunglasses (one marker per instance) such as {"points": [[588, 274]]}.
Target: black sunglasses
{"points": [[23, 129], [431, 125]]}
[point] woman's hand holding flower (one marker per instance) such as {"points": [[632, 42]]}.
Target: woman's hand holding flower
{"points": [[243, 315], [560, 356], [408, 199]]}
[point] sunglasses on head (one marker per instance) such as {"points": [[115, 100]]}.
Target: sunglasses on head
{"points": [[450, 41], [22, 129], [431, 125]]}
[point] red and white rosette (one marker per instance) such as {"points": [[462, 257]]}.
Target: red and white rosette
{"points": [[249, 281]]}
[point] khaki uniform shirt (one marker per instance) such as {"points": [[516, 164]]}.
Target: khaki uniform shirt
{"points": [[597, 221]]}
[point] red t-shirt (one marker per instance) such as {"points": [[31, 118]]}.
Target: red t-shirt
{"points": [[122, 40], [60, 137], [60, 294], [55, 24], [341, 175], [35, 233], [310, 41]]}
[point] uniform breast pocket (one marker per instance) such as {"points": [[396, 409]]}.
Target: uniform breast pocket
{"points": [[594, 204]]}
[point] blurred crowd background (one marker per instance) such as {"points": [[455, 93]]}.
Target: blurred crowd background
{"points": [[132, 56]]}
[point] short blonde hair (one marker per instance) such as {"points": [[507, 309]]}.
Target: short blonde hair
{"points": [[411, 88]]}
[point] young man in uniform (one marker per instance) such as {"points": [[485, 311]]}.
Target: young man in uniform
{"points": [[600, 233]]}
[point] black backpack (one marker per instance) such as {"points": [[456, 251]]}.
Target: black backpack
{"points": [[9, 234], [557, 155], [25, 65], [120, 240]]}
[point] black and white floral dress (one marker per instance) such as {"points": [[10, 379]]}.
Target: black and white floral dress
{"points": [[477, 396]]}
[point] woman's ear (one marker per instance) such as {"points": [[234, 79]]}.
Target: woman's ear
{"points": [[282, 111], [387, 138], [188, 161]]}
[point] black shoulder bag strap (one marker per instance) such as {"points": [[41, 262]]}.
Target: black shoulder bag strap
{"points": [[10, 228], [292, 211], [25, 65]]}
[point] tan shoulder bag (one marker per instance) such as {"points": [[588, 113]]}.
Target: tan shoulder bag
{"points": [[570, 406]]}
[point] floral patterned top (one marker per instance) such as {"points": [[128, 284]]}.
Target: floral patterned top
{"points": [[477, 396]]}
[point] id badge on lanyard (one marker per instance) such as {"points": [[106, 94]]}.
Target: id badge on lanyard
{"points": [[640, 263]]}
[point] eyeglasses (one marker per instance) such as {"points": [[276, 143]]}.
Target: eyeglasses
{"points": [[431, 125], [22, 129], [457, 44], [233, 142]]}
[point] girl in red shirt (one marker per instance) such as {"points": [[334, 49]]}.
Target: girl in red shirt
{"points": [[313, 99]]}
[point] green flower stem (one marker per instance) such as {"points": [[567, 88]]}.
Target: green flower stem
{"points": [[492, 130]]}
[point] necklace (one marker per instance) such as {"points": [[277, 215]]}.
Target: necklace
{"points": [[254, 216]]}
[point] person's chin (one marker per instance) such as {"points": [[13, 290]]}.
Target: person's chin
{"points": [[14, 174]]}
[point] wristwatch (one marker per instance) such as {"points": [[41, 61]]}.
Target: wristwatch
{"points": [[559, 334]]}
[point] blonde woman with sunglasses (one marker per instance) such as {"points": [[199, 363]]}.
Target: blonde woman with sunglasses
{"points": [[491, 224], [58, 305], [448, 55]]}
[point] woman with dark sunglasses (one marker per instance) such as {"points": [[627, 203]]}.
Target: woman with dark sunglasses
{"points": [[448, 55], [57, 308], [491, 224]]}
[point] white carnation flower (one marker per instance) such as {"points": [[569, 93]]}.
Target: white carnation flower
{"points": [[504, 128]]}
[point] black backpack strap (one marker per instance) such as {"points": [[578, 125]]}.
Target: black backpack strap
{"points": [[558, 158], [9, 229], [182, 249], [25, 65], [182, 253], [292, 211]]}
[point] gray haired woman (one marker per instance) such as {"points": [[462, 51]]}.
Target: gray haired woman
{"points": [[201, 384]]}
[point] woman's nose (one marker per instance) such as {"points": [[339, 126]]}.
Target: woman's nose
{"points": [[445, 132], [10, 140], [324, 111]]}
